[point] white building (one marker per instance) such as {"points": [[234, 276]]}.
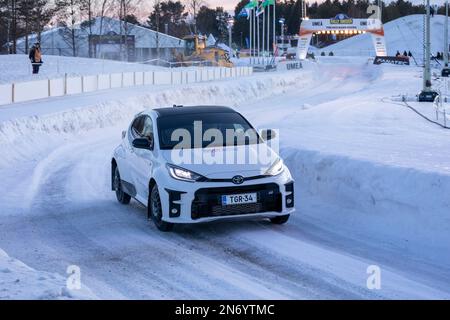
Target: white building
{"points": [[106, 38]]}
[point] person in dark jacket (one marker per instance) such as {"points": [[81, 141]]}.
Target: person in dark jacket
{"points": [[409, 54], [36, 57]]}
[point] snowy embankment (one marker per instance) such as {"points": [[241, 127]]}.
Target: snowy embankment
{"points": [[18, 281]]}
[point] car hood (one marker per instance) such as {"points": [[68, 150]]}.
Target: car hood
{"points": [[212, 162]]}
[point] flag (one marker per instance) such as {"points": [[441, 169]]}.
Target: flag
{"points": [[267, 3], [252, 4], [260, 10]]}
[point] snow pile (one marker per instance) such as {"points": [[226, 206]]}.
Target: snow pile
{"points": [[17, 68], [405, 33], [401, 206], [18, 281]]}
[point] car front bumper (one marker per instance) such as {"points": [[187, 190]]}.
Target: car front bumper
{"points": [[185, 202]]}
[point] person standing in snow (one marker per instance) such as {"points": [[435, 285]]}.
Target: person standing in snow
{"points": [[36, 57]]}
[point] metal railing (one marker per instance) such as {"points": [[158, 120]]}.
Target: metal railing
{"points": [[442, 110]]}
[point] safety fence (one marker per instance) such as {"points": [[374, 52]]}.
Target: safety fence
{"points": [[68, 85], [442, 109]]}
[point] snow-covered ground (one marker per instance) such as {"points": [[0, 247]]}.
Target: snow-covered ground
{"points": [[372, 181], [405, 33], [17, 68]]}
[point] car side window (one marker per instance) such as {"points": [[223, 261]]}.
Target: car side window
{"points": [[137, 126], [147, 129]]}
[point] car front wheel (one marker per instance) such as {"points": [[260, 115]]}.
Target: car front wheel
{"points": [[155, 209]]}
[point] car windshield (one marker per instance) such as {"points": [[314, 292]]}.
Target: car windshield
{"points": [[205, 130]]}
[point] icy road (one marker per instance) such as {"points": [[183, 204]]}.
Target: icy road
{"points": [[372, 179]]}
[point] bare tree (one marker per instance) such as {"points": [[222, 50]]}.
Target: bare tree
{"points": [[11, 11], [126, 8], [104, 8], [194, 7], [68, 15]]}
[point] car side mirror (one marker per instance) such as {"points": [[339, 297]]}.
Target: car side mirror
{"points": [[143, 143], [268, 134]]}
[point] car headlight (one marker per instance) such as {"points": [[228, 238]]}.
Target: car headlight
{"points": [[276, 168], [183, 174]]}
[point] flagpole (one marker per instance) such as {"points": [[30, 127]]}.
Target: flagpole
{"points": [[254, 36], [274, 43], [264, 37], [268, 33], [250, 34], [257, 35]]}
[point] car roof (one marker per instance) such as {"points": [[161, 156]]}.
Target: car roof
{"points": [[180, 110]]}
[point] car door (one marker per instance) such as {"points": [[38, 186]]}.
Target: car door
{"points": [[126, 166], [143, 161]]}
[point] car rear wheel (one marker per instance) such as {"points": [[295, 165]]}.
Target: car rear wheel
{"points": [[121, 196], [156, 211], [280, 219]]}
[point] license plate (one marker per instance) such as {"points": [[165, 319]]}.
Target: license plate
{"points": [[234, 199]]}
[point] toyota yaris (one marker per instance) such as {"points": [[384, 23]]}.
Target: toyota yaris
{"points": [[199, 164]]}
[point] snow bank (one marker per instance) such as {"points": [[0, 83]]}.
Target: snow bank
{"points": [[392, 205], [18, 281]]}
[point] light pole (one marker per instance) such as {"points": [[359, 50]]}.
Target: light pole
{"points": [[446, 70], [427, 94], [230, 23], [282, 21]]}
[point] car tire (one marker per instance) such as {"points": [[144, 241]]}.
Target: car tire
{"points": [[121, 196], [280, 219], [155, 211]]}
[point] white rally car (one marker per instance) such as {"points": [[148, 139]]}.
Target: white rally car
{"points": [[208, 182]]}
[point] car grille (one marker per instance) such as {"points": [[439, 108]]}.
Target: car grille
{"points": [[208, 203]]}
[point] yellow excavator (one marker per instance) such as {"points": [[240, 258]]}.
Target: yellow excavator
{"points": [[196, 50]]}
